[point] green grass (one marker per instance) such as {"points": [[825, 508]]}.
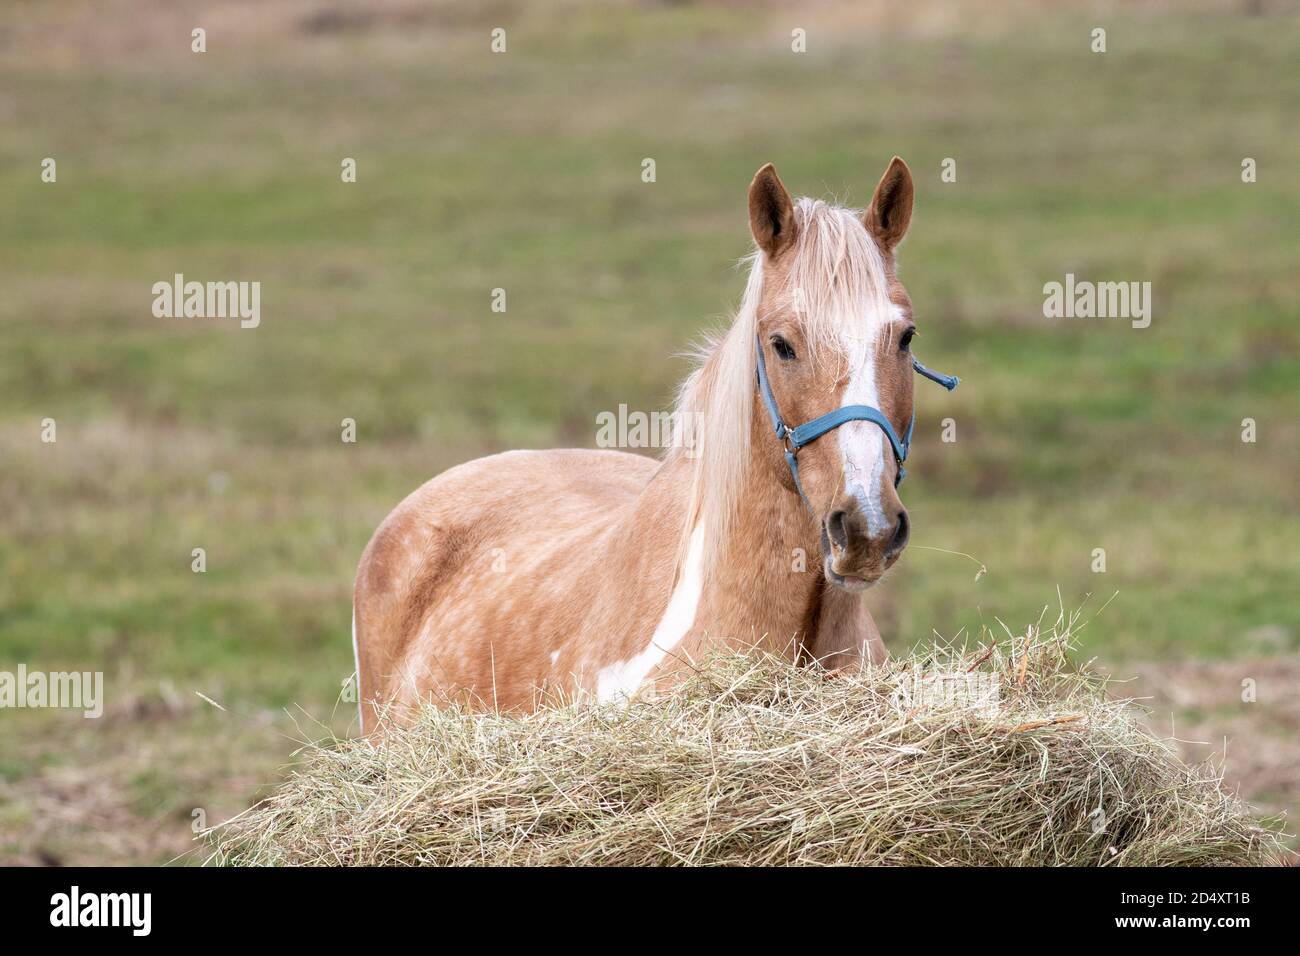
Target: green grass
{"points": [[523, 171]]}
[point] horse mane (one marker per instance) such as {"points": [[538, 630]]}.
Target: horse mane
{"points": [[837, 288]]}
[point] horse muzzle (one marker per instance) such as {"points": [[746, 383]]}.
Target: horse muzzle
{"points": [[852, 557]]}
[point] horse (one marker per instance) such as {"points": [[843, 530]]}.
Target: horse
{"points": [[529, 577]]}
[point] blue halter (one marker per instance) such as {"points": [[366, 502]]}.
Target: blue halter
{"points": [[795, 438]]}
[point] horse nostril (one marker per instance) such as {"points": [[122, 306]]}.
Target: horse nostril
{"points": [[839, 535], [901, 532]]}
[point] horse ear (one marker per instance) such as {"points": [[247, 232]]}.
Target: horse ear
{"points": [[771, 212], [891, 207]]}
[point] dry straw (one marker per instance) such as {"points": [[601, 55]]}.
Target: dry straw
{"points": [[1005, 755]]}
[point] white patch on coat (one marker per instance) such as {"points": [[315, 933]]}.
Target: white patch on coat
{"points": [[622, 679], [555, 656]]}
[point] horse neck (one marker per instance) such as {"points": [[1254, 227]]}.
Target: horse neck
{"points": [[765, 578], [768, 574]]}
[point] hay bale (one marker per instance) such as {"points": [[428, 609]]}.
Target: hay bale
{"points": [[1002, 756]]}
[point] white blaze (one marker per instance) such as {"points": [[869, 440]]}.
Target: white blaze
{"points": [[863, 444]]}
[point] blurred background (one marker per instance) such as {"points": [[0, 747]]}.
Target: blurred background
{"points": [[522, 170]]}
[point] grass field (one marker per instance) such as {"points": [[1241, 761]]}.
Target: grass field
{"points": [[522, 171]]}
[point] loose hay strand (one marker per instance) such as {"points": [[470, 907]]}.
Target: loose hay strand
{"points": [[753, 761]]}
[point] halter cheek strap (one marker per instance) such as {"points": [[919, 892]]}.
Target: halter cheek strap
{"points": [[795, 438]]}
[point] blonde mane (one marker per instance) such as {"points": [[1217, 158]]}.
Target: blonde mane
{"points": [[837, 289]]}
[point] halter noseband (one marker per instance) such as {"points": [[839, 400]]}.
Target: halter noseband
{"points": [[795, 438]]}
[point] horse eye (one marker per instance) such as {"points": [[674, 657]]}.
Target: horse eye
{"points": [[905, 342], [783, 348]]}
